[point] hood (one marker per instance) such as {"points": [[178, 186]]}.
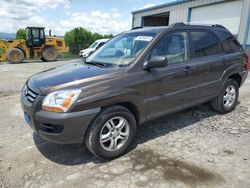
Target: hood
{"points": [[88, 50], [68, 76]]}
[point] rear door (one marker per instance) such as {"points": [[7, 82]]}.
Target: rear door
{"points": [[173, 87], [208, 56], [233, 50]]}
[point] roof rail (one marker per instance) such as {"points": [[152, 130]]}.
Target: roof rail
{"points": [[206, 24], [219, 26], [177, 24], [137, 28], [198, 23]]}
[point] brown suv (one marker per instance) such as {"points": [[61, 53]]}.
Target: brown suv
{"points": [[137, 76]]}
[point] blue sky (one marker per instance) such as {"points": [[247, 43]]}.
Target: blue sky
{"points": [[104, 16]]}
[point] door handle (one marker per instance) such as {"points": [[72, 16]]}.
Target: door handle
{"points": [[226, 60], [189, 69]]}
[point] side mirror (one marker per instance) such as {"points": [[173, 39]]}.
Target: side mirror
{"points": [[155, 62]]}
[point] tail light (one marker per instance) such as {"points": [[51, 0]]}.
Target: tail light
{"points": [[247, 65]]}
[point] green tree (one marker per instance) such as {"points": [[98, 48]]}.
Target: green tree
{"points": [[21, 34], [80, 38]]}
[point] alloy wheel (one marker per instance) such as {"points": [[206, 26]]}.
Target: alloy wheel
{"points": [[229, 96], [114, 133]]}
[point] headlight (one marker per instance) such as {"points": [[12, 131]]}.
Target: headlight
{"points": [[60, 101]]}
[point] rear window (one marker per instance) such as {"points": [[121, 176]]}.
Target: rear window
{"points": [[230, 44], [205, 43]]}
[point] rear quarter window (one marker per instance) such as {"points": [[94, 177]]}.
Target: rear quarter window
{"points": [[205, 43], [230, 43]]}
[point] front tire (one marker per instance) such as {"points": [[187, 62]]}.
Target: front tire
{"points": [[15, 55], [227, 99], [111, 132]]}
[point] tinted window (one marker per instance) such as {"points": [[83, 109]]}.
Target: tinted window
{"points": [[100, 45], [35, 33], [230, 44], [41, 34], [205, 43], [174, 46]]}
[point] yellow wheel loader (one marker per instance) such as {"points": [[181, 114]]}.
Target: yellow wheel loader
{"points": [[36, 44]]}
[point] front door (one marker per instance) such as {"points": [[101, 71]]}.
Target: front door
{"points": [[35, 37], [175, 86]]}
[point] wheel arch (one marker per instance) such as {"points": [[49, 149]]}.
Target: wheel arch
{"points": [[130, 106], [233, 72], [237, 78]]}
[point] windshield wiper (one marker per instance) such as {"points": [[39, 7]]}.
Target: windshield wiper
{"points": [[96, 63]]}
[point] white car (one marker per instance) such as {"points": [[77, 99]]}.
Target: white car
{"points": [[93, 47]]}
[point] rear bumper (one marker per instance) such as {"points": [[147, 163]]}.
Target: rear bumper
{"points": [[63, 128]]}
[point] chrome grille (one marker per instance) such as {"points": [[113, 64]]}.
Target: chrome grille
{"points": [[29, 94]]}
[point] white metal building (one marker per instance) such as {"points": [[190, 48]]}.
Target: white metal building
{"points": [[233, 14]]}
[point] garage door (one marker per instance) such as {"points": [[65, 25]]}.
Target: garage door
{"points": [[227, 14]]}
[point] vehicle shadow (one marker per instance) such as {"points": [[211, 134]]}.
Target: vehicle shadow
{"points": [[39, 61], [75, 154]]}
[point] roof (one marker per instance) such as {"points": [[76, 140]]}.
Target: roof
{"points": [[35, 27], [158, 29], [103, 40], [174, 2], [154, 30]]}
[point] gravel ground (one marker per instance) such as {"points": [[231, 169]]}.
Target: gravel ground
{"points": [[193, 148]]}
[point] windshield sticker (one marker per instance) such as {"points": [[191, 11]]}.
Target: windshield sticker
{"points": [[144, 38]]}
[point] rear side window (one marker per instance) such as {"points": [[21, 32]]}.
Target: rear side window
{"points": [[205, 43], [230, 44]]}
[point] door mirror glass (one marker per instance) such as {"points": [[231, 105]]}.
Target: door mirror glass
{"points": [[155, 62]]}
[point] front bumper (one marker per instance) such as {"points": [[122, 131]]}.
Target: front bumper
{"points": [[64, 128], [84, 55]]}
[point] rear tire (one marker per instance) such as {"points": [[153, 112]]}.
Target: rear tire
{"points": [[49, 54], [111, 132], [15, 55], [227, 99]]}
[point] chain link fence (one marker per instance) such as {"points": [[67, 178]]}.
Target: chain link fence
{"points": [[75, 49]]}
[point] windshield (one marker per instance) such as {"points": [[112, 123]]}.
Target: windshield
{"points": [[93, 45], [28, 34], [122, 49]]}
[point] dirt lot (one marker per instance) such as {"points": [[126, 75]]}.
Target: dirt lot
{"points": [[194, 148]]}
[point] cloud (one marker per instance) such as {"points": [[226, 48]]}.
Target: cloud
{"points": [[148, 6], [96, 21], [15, 14], [23, 9]]}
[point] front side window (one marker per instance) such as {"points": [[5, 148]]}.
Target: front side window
{"points": [[28, 34], [122, 49], [174, 46], [42, 33], [100, 45], [205, 43]]}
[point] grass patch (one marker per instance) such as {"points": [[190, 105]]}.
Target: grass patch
{"points": [[68, 55]]}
